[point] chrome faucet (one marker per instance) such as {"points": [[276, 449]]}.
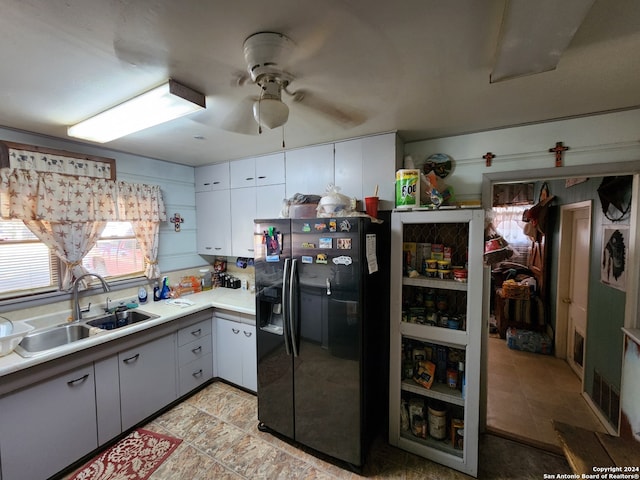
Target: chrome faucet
{"points": [[77, 312]]}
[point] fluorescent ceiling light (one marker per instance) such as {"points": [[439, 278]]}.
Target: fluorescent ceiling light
{"points": [[534, 34], [166, 102]]}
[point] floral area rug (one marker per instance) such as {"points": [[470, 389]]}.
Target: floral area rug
{"points": [[135, 457]]}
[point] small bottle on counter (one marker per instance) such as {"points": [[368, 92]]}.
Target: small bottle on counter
{"points": [[156, 292], [142, 295]]}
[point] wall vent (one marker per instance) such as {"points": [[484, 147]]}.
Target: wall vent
{"points": [[606, 397]]}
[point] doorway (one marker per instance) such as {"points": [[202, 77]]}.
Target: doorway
{"points": [[573, 291], [526, 391]]}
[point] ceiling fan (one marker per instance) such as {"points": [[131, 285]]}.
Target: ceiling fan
{"points": [[266, 54]]}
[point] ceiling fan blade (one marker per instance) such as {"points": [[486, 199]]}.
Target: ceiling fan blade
{"points": [[240, 119], [348, 117]]}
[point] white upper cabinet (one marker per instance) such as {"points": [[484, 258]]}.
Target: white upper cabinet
{"points": [[243, 173], [213, 220], [270, 169], [212, 177], [309, 170], [363, 163], [243, 211]]}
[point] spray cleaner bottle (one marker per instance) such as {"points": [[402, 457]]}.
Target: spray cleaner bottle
{"points": [[165, 291]]}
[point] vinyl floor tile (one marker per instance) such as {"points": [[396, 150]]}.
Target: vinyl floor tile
{"points": [[544, 388]]}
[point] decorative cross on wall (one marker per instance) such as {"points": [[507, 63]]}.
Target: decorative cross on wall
{"points": [[177, 220], [559, 149], [488, 157]]}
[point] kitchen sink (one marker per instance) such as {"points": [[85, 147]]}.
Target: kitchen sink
{"points": [[49, 338], [39, 341], [120, 319]]}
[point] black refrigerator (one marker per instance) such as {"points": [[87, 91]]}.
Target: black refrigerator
{"points": [[322, 315]]}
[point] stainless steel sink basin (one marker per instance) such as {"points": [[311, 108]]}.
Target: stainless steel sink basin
{"points": [[47, 339], [120, 319], [42, 340]]}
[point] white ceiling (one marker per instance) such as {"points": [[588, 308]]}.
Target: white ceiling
{"points": [[417, 66]]}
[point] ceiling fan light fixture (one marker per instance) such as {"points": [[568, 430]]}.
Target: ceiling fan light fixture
{"points": [[167, 102], [270, 112]]}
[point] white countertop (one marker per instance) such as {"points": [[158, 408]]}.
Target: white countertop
{"points": [[237, 300]]}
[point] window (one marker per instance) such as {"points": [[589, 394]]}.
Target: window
{"points": [[28, 266], [117, 253], [508, 222]]}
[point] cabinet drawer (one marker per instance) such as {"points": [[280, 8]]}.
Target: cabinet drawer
{"points": [[195, 349], [193, 332], [195, 373]]}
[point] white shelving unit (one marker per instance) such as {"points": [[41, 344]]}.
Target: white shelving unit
{"points": [[463, 230]]}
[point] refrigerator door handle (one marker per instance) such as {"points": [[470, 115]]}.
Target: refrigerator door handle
{"points": [[286, 312], [293, 306]]}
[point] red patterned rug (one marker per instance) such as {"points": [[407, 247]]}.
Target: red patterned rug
{"points": [[135, 457]]}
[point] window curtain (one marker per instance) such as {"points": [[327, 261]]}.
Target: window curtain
{"points": [[508, 223], [68, 213]]}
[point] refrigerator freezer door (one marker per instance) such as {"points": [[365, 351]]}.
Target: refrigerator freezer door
{"points": [[275, 364]]}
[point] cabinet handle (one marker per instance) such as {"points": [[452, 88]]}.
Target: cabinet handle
{"points": [[72, 383], [216, 183], [218, 248], [206, 184], [246, 334], [208, 248], [198, 373], [250, 249], [196, 333], [235, 330], [197, 349], [262, 177], [249, 178], [131, 359]]}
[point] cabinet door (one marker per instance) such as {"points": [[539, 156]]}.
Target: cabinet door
{"points": [[309, 170], [229, 350], [243, 173], [270, 169], [243, 211], [147, 379], [213, 223], [435, 337], [363, 163], [249, 358], [107, 399], [48, 426], [269, 200], [381, 158], [349, 167], [212, 177]]}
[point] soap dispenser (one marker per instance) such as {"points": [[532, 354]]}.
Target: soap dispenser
{"points": [[156, 292]]}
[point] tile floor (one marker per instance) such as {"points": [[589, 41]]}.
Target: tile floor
{"points": [[527, 390], [221, 441]]}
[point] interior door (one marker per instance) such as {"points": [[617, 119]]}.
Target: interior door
{"points": [[578, 290]]}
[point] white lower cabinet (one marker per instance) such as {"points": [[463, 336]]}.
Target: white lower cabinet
{"points": [[236, 358], [195, 356], [147, 379], [39, 425], [107, 399]]}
